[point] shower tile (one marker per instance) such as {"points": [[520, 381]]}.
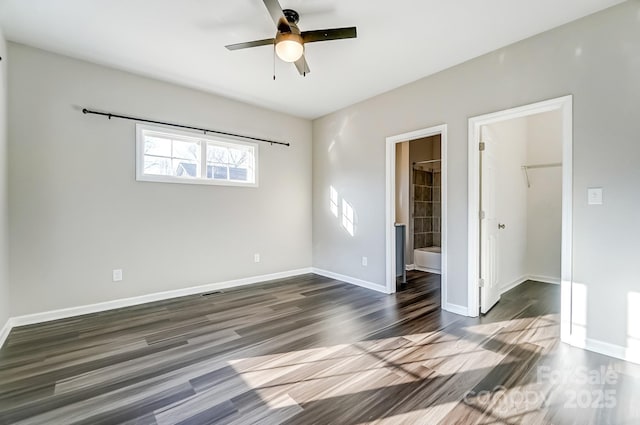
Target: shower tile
{"points": [[436, 225], [436, 194], [437, 239], [429, 179], [419, 177], [420, 209], [428, 209], [419, 193], [427, 194], [418, 226], [436, 211], [437, 180], [428, 240], [419, 240], [427, 225]]}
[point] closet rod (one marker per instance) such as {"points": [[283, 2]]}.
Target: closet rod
{"points": [[526, 169], [557, 164], [204, 130]]}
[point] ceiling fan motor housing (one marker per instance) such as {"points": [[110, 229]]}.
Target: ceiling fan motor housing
{"points": [[291, 15]]}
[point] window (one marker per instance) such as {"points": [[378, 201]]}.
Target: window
{"points": [[173, 156]]}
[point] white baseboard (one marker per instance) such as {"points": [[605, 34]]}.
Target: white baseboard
{"points": [[410, 267], [605, 348], [4, 332], [47, 316], [513, 284], [523, 279], [455, 308], [351, 280], [545, 279]]}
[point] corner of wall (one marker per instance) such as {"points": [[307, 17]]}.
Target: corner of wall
{"points": [[4, 228]]}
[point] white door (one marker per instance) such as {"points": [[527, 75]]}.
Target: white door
{"points": [[489, 293]]}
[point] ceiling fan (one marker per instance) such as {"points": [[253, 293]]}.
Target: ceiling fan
{"points": [[289, 40]]}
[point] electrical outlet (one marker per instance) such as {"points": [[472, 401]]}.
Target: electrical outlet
{"points": [[256, 258], [117, 275], [365, 261]]}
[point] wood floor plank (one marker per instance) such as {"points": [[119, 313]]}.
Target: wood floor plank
{"points": [[308, 350]]}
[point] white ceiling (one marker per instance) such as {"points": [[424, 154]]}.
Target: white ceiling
{"points": [[183, 41]]}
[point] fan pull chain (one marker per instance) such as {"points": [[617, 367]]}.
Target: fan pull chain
{"points": [[274, 61]]}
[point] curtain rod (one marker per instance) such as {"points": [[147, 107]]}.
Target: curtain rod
{"points": [[204, 130]]}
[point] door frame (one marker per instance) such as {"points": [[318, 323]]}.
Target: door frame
{"points": [[390, 204], [564, 104]]}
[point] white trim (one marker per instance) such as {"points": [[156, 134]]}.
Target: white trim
{"points": [[455, 308], [410, 267], [47, 316], [390, 213], [564, 104], [605, 348], [4, 332], [351, 280], [546, 279], [519, 281], [428, 270], [204, 140]]}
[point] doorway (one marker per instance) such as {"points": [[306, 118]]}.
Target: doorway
{"points": [[416, 197], [505, 228]]}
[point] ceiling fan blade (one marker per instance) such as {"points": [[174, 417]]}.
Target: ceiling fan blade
{"points": [[249, 44], [275, 10], [302, 65], [329, 34]]}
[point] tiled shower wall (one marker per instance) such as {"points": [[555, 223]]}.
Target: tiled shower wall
{"points": [[426, 208]]}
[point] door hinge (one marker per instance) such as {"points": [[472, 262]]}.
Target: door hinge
{"points": [[481, 283], [482, 215], [482, 146]]}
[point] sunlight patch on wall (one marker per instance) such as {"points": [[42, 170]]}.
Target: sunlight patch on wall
{"points": [[579, 311], [633, 325], [333, 201], [348, 217]]}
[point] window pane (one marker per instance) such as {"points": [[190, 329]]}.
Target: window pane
{"points": [[157, 146], [157, 166], [186, 150], [185, 168], [239, 174], [217, 154], [238, 157], [220, 172]]}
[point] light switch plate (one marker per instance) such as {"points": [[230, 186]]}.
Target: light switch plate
{"points": [[594, 196]]}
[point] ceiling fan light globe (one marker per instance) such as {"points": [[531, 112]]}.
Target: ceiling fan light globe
{"points": [[289, 47]]}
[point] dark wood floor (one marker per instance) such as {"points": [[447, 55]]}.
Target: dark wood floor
{"points": [[312, 350]]}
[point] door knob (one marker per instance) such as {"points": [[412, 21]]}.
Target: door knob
{"points": [[501, 226]]}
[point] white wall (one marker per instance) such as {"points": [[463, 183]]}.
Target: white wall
{"points": [[510, 141], [4, 225], [596, 60], [544, 197], [77, 212]]}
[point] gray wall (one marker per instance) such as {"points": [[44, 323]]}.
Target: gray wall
{"points": [[597, 60], [77, 212], [4, 227]]}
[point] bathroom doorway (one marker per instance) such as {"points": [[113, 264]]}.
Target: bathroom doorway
{"points": [[416, 202]]}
